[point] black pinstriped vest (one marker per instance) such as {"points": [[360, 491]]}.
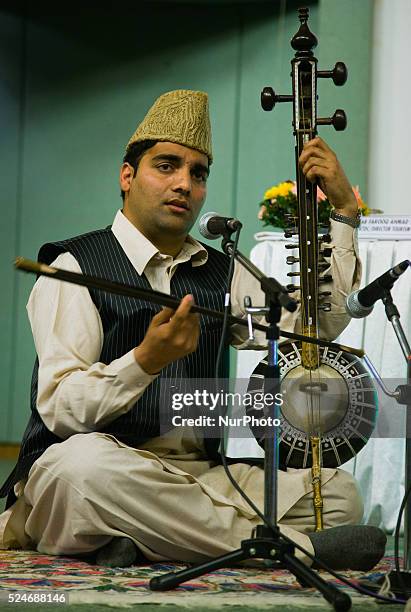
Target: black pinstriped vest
{"points": [[125, 321]]}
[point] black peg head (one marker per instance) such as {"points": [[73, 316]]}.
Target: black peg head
{"points": [[340, 73], [291, 259], [268, 98], [339, 120], [289, 232], [327, 278], [325, 238]]}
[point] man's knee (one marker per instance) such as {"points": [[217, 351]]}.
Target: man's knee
{"points": [[80, 457], [345, 498]]}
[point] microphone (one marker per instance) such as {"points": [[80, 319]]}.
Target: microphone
{"points": [[211, 225], [360, 303]]}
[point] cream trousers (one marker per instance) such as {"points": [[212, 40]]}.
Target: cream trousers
{"points": [[91, 487]]}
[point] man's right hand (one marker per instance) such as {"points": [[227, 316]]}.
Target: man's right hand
{"points": [[172, 334]]}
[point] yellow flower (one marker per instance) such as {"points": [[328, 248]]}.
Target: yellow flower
{"points": [[271, 193], [282, 189]]}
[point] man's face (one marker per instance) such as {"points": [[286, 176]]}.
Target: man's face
{"points": [[165, 197]]}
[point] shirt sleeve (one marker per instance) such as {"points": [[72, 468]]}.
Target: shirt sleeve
{"points": [[76, 392], [345, 269], [344, 266]]}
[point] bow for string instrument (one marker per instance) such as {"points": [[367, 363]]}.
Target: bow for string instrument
{"points": [[329, 399]]}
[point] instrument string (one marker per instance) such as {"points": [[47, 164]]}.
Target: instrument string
{"points": [[314, 272], [305, 300], [305, 313], [309, 209]]}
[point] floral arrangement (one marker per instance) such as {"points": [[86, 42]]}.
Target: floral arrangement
{"points": [[280, 201]]}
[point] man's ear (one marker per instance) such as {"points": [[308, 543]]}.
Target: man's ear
{"points": [[126, 176]]}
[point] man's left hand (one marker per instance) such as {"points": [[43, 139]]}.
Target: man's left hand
{"points": [[319, 163]]}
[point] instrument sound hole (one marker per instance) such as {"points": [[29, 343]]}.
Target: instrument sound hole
{"points": [[314, 402]]}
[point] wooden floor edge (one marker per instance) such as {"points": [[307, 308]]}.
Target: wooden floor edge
{"points": [[9, 451]]}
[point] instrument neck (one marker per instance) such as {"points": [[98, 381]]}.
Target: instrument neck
{"points": [[304, 68], [308, 256]]}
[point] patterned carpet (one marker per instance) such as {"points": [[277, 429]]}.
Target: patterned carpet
{"points": [[84, 583]]}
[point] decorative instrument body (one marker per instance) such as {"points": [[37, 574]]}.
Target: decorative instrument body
{"points": [[329, 407]]}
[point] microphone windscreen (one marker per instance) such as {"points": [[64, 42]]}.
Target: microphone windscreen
{"points": [[354, 308], [202, 226]]}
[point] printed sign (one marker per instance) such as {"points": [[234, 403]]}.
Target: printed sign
{"points": [[386, 227]]}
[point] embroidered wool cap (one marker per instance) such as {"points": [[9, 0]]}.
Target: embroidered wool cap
{"points": [[179, 116]]}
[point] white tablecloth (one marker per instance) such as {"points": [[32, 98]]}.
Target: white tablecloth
{"points": [[379, 467]]}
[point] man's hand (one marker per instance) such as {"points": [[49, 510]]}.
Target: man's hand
{"points": [[319, 163], [170, 336]]}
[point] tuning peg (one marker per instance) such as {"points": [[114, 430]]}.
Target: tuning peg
{"points": [[291, 246], [326, 252], [325, 307], [290, 232], [291, 288], [291, 260], [324, 293], [291, 219], [338, 74], [338, 120], [325, 238], [293, 274], [248, 304], [325, 279], [269, 98]]}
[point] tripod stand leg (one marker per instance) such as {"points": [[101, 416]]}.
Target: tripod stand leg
{"points": [[339, 600], [171, 580]]}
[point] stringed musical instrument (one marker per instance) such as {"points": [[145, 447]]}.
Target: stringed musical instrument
{"points": [[329, 399]]}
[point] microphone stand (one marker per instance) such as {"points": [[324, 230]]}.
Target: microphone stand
{"points": [[404, 397], [266, 542]]}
